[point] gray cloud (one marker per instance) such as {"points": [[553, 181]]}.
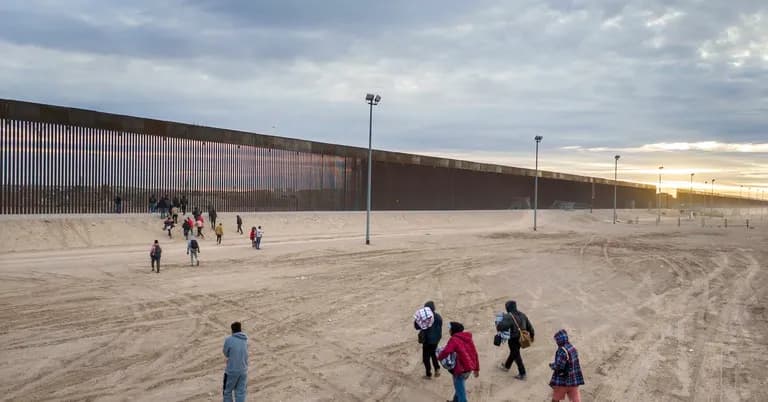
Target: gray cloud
{"points": [[456, 76]]}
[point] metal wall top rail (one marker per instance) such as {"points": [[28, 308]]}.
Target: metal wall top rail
{"points": [[29, 111]]}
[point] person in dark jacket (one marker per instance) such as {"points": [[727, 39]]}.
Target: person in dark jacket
{"points": [[566, 370], [183, 205], [514, 321], [430, 338], [239, 224], [212, 217], [154, 255], [467, 360]]}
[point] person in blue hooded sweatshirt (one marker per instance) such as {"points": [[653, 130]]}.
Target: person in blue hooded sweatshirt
{"points": [[236, 374]]}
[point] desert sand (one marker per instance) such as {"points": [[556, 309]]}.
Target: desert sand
{"points": [[658, 313]]}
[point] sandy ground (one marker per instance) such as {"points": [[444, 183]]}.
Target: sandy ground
{"points": [[658, 313]]}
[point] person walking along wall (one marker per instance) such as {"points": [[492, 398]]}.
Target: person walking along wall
{"points": [[239, 222], [219, 232], [193, 249], [154, 255], [516, 322], [236, 372], [566, 370], [429, 339], [467, 360], [259, 234]]}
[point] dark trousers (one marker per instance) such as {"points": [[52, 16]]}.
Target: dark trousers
{"points": [[200, 232], [213, 223], [428, 355], [514, 357], [156, 260], [258, 242], [240, 228], [218, 239]]}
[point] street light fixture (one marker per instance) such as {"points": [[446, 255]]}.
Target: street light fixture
{"points": [[372, 100], [538, 139], [615, 178]]}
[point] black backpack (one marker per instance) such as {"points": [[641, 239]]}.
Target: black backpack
{"points": [[193, 244]]}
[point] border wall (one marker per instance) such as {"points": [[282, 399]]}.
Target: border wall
{"points": [[65, 160]]}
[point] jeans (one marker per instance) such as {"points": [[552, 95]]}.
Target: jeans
{"points": [[428, 355], [193, 257], [218, 239], [258, 242], [237, 383], [515, 357], [459, 388], [156, 260]]}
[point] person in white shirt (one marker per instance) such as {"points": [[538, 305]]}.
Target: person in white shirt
{"points": [[259, 233]]}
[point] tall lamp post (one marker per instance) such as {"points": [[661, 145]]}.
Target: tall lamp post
{"points": [[372, 100], [690, 199], [658, 203], [712, 196], [538, 139], [615, 179]]}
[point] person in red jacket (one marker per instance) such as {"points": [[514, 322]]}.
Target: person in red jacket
{"points": [[466, 359]]}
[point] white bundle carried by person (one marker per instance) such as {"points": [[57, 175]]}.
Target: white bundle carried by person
{"points": [[424, 317]]}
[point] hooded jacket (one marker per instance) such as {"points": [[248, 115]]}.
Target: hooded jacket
{"points": [[466, 353], [566, 370], [236, 351], [433, 334], [507, 323]]}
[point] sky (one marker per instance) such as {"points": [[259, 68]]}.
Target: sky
{"points": [[678, 84]]}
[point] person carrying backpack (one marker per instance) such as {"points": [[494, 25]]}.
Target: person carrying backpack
{"points": [[193, 248], [521, 334], [467, 360], [154, 254], [566, 370], [219, 232], [186, 227], [429, 339]]}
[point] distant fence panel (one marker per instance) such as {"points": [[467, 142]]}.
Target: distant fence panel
{"points": [[56, 168], [64, 160]]}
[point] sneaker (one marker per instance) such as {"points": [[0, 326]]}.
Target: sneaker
{"points": [[502, 367], [520, 377], [427, 377], [437, 373]]}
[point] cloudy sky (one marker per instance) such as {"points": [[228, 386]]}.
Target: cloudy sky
{"points": [[683, 84]]}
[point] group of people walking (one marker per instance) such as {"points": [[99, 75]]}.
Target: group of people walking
{"points": [[196, 221], [459, 355]]}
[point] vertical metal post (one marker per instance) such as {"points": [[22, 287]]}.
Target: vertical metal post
{"points": [[615, 180], [658, 204], [370, 166], [538, 139]]}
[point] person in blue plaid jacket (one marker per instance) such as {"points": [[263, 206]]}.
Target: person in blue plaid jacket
{"points": [[566, 371]]}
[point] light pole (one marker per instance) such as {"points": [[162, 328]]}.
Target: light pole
{"points": [[538, 139], [712, 196], [615, 178], [658, 198], [690, 200], [372, 101]]}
